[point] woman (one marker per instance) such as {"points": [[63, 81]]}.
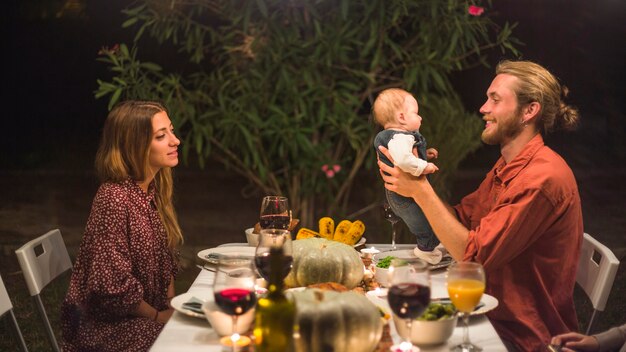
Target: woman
{"points": [[123, 277]]}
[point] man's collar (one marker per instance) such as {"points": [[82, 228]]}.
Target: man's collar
{"points": [[505, 172]]}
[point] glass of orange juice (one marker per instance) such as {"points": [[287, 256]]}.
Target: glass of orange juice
{"points": [[466, 284]]}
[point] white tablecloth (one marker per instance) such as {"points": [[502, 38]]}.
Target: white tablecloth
{"points": [[185, 333]]}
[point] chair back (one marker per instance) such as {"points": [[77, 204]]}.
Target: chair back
{"points": [[5, 300], [7, 306], [597, 268], [42, 260]]}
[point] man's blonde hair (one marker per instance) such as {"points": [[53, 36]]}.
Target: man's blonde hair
{"points": [[537, 84], [387, 104]]}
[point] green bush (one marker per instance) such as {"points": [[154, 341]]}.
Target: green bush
{"points": [[276, 89]]}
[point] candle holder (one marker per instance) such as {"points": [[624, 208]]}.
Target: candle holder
{"points": [[240, 345], [367, 254]]}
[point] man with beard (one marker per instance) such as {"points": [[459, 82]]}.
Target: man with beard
{"points": [[524, 222]]}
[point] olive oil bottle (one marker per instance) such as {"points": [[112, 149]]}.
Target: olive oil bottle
{"points": [[275, 314]]}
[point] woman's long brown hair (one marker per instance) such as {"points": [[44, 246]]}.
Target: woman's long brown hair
{"points": [[124, 152]]}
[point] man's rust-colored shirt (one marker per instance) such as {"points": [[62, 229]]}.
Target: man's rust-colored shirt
{"points": [[526, 227]]}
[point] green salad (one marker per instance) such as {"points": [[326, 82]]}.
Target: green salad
{"points": [[438, 311], [385, 262]]}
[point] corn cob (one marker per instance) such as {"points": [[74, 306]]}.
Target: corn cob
{"points": [[342, 230], [327, 227], [306, 233], [356, 231]]}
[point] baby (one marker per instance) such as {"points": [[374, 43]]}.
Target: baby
{"points": [[396, 110]]}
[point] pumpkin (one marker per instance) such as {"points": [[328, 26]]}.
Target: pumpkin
{"points": [[330, 321], [317, 260]]}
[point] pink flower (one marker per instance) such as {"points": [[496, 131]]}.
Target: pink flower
{"points": [[331, 170], [475, 10]]}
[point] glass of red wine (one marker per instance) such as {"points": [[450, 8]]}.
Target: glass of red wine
{"points": [[409, 292], [271, 240], [234, 289], [393, 219], [275, 213]]}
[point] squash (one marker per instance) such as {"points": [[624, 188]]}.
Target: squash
{"points": [[317, 260], [335, 321]]}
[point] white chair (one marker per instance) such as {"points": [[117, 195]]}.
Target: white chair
{"points": [[597, 267], [42, 260], [7, 306]]}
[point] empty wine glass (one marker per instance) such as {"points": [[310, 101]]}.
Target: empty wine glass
{"points": [[234, 289], [409, 292], [393, 219], [275, 213], [272, 239], [466, 284]]}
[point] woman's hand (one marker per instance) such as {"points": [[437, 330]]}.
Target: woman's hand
{"points": [[165, 315], [573, 341]]}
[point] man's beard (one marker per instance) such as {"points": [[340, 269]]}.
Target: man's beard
{"points": [[504, 129]]}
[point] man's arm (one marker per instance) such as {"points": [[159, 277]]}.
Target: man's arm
{"points": [[441, 216]]}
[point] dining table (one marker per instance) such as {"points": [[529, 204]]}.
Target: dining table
{"points": [[184, 333]]}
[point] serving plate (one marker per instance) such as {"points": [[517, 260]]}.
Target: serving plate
{"points": [[253, 239], [178, 302], [360, 242], [211, 255], [487, 303], [408, 254]]}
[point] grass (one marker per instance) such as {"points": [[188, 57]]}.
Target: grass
{"points": [[36, 339], [26, 312]]}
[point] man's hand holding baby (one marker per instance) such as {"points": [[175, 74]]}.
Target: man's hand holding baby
{"points": [[430, 168]]}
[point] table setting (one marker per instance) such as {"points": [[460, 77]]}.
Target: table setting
{"points": [[337, 294]]}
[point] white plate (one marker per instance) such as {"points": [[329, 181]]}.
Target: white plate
{"points": [[379, 293], [361, 242], [401, 253], [246, 251], [295, 289], [408, 254], [487, 303], [178, 301]]}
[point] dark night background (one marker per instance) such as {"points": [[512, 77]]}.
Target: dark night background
{"points": [[51, 123], [50, 70]]}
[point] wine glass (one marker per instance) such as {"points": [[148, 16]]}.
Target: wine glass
{"points": [[275, 213], [466, 284], [409, 292], [393, 219], [234, 289], [271, 240]]}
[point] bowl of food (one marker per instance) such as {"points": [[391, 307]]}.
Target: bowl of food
{"points": [[254, 233], [381, 270], [434, 327], [252, 237]]}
